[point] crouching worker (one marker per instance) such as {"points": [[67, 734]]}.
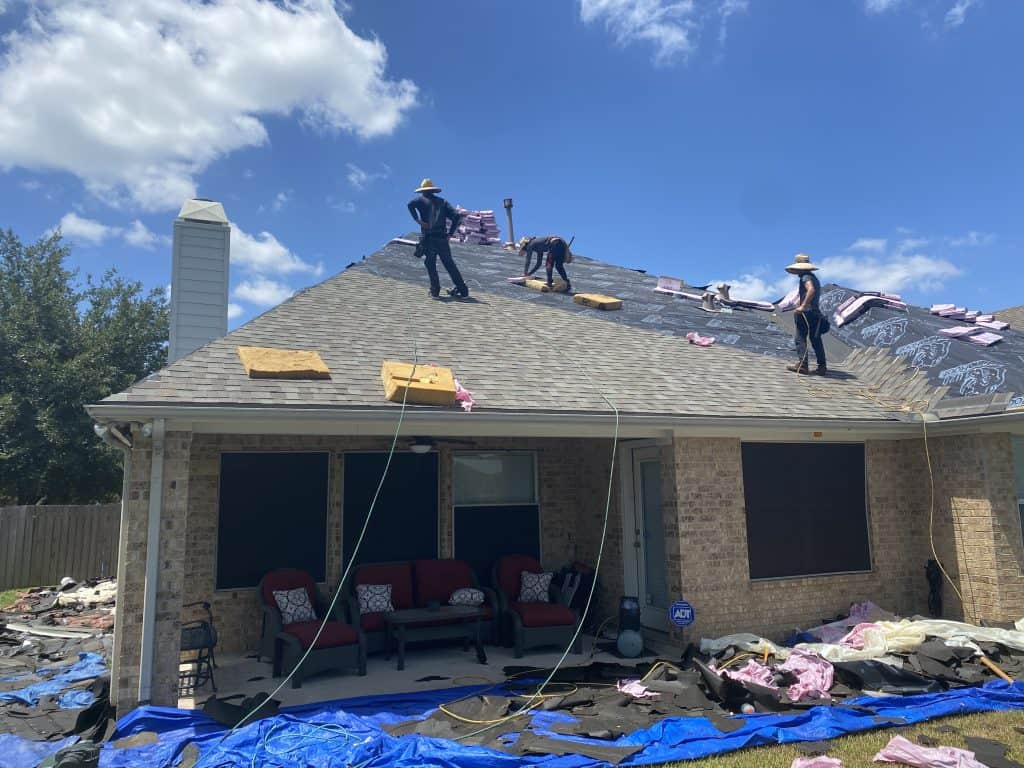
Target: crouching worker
{"points": [[557, 252], [810, 323], [438, 222]]}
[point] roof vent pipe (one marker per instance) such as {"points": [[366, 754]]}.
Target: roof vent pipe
{"points": [[508, 212]]}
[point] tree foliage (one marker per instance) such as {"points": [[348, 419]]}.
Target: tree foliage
{"points": [[65, 343]]}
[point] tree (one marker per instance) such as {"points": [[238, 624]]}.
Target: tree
{"points": [[64, 344]]}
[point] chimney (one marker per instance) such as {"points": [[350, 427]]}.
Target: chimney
{"points": [[199, 276]]}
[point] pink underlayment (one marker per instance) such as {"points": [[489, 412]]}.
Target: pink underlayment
{"points": [[821, 761], [814, 675], [900, 750]]}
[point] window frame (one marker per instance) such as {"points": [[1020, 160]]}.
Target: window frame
{"points": [[503, 452], [867, 514], [327, 516]]}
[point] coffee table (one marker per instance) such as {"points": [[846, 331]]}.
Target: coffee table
{"points": [[420, 624]]}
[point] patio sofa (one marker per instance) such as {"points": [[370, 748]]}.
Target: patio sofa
{"points": [[534, 624], [416, 584]]}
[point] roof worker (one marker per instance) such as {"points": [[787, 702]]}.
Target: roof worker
{"points": [[810, 323], [433, 213], [558, 255]]}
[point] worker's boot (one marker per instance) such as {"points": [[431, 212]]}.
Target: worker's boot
{"points": [[821, 370], [798, 368]]}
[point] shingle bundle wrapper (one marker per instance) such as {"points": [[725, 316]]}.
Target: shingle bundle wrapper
{"points": [[273, 363], [477, 228], [426, 384], [855, 306]]}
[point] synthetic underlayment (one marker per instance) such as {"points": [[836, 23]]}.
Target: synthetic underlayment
{"points": [[350, 733], [966, 369]]}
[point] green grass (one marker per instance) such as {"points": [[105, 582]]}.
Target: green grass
{"points": [[857, 750], [7, 596]]}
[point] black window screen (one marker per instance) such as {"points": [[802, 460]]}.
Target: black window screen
{"points": [[485, 533], [806, 509], [404, 522], [273, 514]]}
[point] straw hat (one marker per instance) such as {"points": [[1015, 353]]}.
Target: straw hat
{"points": [[801, 263], [427, 186]]}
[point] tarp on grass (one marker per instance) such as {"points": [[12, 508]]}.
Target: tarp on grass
{"points": [[349, 732]]}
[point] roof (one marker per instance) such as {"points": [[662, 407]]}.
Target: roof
{"points": [[1013, 315], [522, 351]]}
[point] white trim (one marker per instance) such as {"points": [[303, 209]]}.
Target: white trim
{"points": [[151, 584], [634, 582]]}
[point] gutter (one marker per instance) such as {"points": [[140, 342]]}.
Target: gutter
{"points": [[156, 502]]}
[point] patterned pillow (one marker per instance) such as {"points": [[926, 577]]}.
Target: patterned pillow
{"points": [[294, 605], [533, 587], [374, 598], [467, 596]]}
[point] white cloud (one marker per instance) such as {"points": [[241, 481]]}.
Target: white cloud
{"points": [[668, 25], [726, 9], [85, 231], [31, 185], [880, 6], [917, 271], [345, 206], [262, 291], [871, 244], [264, 254], [756, 288], [973, 239], [235, 310], [956, 15], [137, 99], [139, 235], [281, 199], [360, 178]]}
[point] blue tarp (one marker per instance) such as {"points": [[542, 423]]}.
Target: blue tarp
{"points": [[349, 732], [88, 666]]}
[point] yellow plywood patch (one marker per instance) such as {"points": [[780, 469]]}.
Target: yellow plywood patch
{"points": [[427, 385], [542, 286], [597, 301], [272, 363]]}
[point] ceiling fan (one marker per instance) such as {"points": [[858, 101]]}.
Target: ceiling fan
{"points": [[428, 444]]}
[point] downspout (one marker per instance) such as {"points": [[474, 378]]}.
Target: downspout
{"points": [[156, 503]]}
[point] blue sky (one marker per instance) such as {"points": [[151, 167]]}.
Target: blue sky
{"points": [[707, 140]]}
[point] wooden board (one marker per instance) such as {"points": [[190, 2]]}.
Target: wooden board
{"points": [[542, 286], [597, 301], [427, 385], [272, 363]]}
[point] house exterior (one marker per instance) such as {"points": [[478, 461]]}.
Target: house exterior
{"points": [[767, 500]]}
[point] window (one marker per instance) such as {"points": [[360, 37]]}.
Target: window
{"points": [[806, 509], [273, 514], [496, 511], [1018, 468]]}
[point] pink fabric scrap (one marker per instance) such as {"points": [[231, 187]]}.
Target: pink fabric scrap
{"points": [[855, 637], [814, 675], [464, 397], [700, 341], [752, 673], [636, 689], [900, 750], [821, 761]]}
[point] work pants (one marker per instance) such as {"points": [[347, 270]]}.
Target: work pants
{"points": [[808, 326], [557, 262], [434, 246]]}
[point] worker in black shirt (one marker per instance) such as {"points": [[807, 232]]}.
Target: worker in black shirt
{"points": [[557, 251], [810, 323], [438, 222]]}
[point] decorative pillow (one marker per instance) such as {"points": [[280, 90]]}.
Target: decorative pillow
{"points": [[374, 598], [533, 587], [467, 596], [294, 605]]}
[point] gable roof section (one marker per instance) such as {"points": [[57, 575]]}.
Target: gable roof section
{"points": [[516, 349]]}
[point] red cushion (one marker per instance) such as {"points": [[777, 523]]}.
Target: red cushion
{"points": [[372, 622], [543, 614], [510, 570], [398, 575], [437, 579], [284, 579], [335, 633]]}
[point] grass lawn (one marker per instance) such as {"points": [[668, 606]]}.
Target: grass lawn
{"points": [[7, 596], [858, 750]]}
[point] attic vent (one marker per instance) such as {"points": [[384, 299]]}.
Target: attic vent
{"points": [[272, 363]]}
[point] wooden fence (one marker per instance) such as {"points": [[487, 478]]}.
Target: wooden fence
{"points": [[42, 544]]}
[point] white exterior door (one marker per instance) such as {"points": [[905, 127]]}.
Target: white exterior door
{"points": [[644, 534]]}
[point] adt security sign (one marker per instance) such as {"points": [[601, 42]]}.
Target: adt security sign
{"points": [[681, 613]]}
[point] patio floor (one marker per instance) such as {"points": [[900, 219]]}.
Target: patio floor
{"points": [[241, 674]]}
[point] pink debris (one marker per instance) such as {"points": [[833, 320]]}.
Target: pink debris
{"points": [[900, 750], [852, 310], [700, 341], [636, 689], [464, 397], [752, 673], [673, 286], [814, 675], [985, 339], [789, 301], [855, 637], [821, 761]]}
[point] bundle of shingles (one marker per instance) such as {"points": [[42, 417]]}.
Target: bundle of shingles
{"points": [[974, 333], [477, 228], [673, 286]]}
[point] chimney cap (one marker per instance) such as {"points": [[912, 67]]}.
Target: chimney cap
{"points": [[200, 209]]}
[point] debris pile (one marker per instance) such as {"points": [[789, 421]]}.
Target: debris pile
{"points": [[477, 228]]}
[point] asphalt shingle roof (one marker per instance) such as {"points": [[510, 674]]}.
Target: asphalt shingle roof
{"points": [[514, 348]]}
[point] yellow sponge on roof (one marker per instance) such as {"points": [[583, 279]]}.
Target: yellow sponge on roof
{"points": [[427, 384], [273, 363], [597, 301]]}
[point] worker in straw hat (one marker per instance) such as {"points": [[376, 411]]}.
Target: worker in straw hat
{"points": [[557, 252], [438, 222], [810, 323]]}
